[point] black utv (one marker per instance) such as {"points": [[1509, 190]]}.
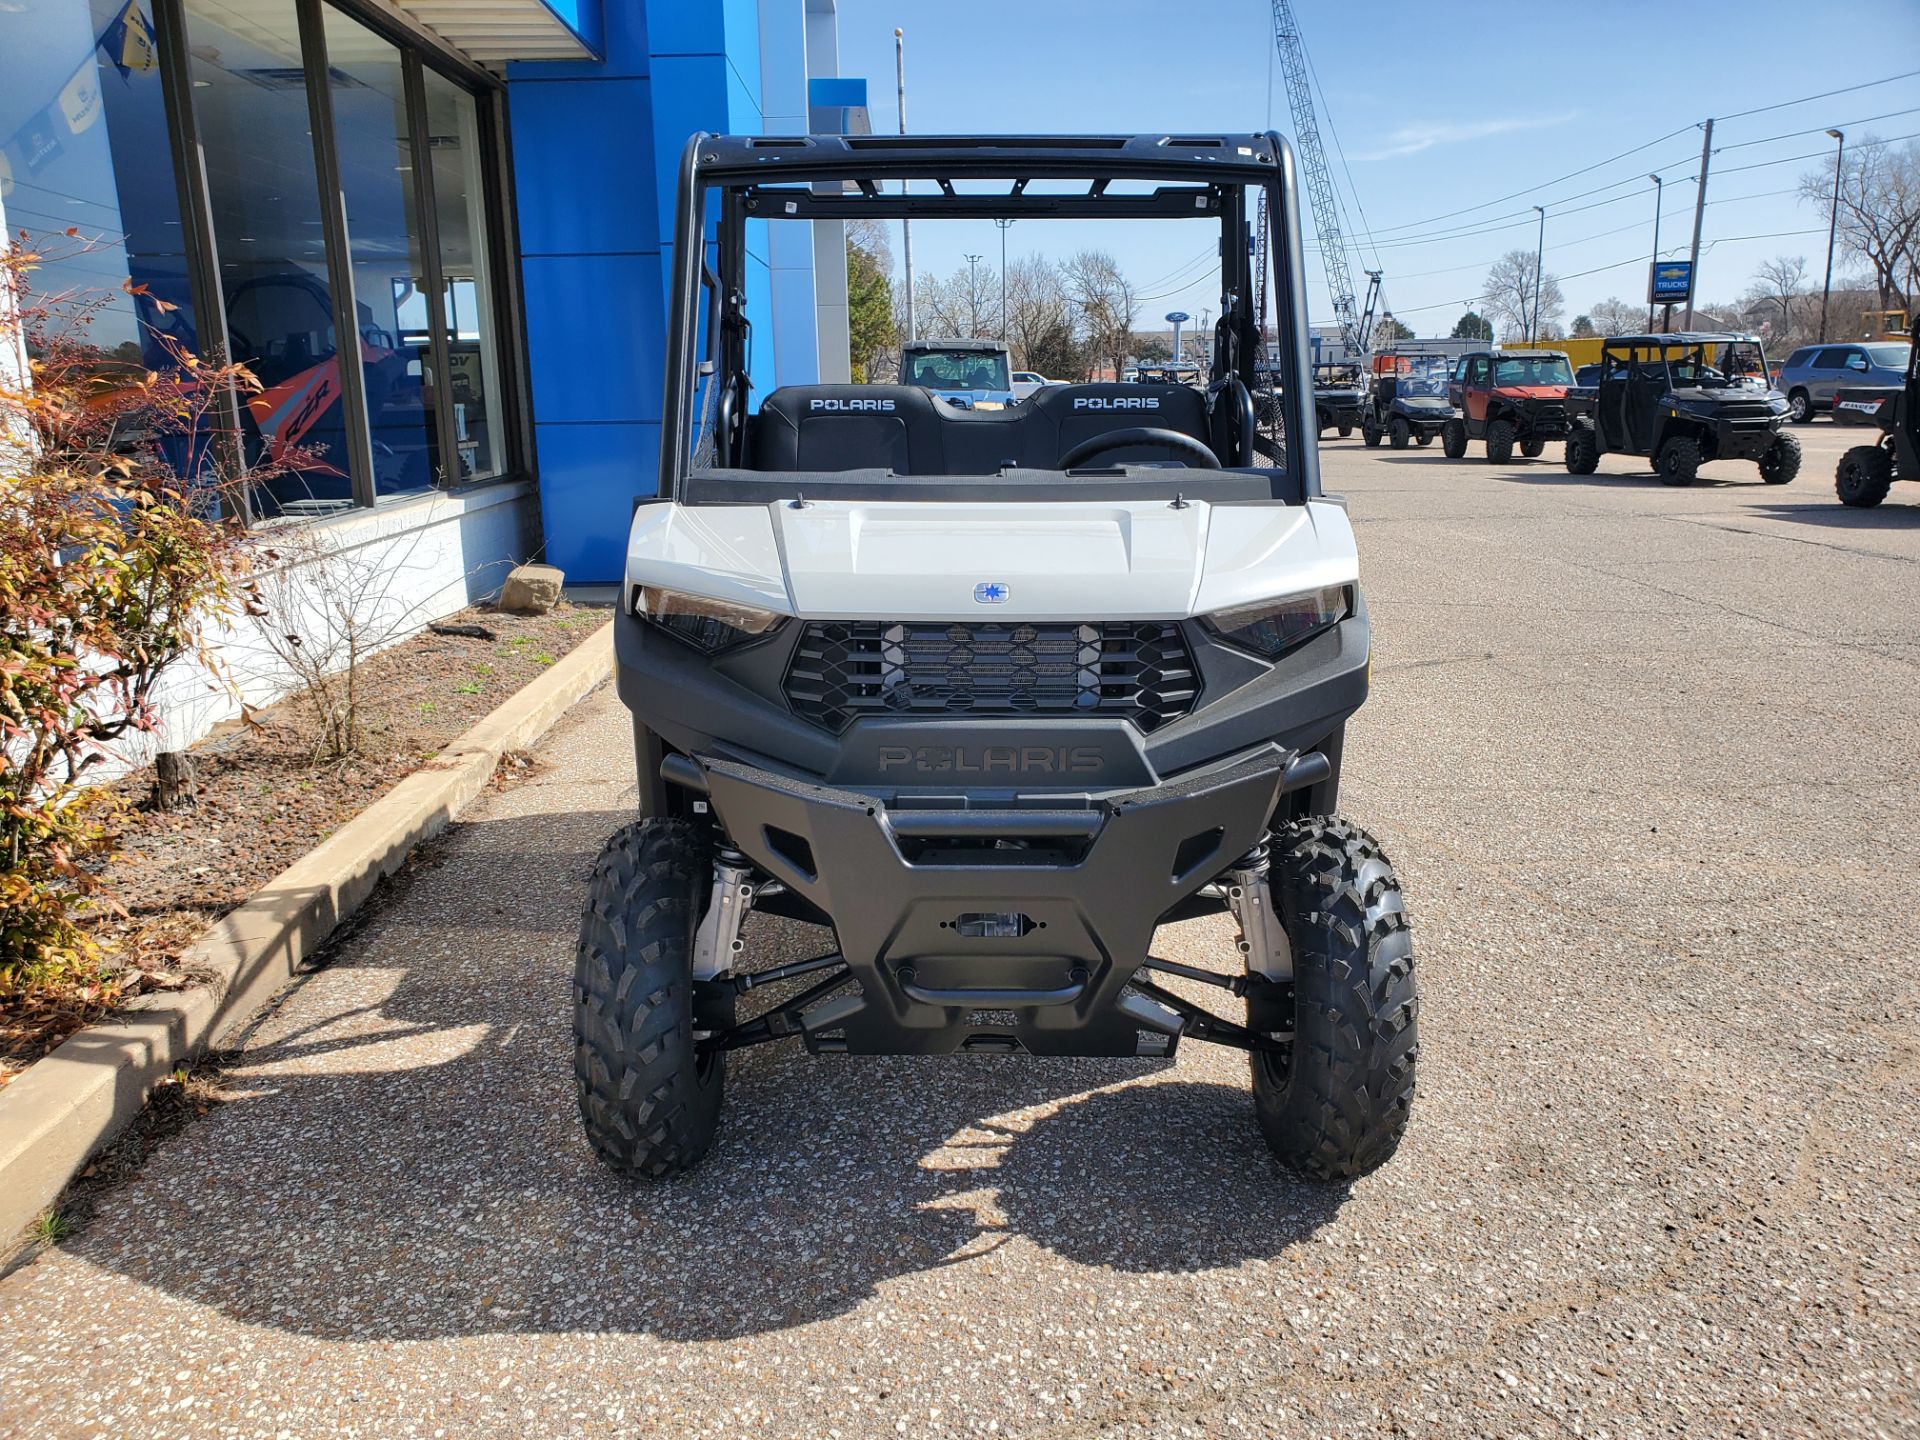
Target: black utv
{"points": [[1339, 397], [1867, 472], [1508, 398], [1683, 400], [1408, 403]]}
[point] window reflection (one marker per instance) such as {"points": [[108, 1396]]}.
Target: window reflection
{"points": [[474, 382], [83, 147], [384, 238], [249, 94]]}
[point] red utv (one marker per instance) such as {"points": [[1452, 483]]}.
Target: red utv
{"points": [[1507, 398]]}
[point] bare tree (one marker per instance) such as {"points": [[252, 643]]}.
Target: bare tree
{"points": [[1105, 302], [963, 306], [327, 609], [1779, 286], [1040, 318], [1614, 316], [1509, 297], [1879, 213]]}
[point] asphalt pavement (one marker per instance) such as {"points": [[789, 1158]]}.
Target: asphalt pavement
{"points": [[1647, 761]]}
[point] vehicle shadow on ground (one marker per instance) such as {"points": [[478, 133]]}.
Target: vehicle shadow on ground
{"points": [[1832, 515], [401, 1159]]}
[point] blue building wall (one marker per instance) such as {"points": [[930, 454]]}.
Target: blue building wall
{"points": [[596, 153]]}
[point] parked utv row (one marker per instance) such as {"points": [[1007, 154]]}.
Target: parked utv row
{"points": [[1678, 400]]}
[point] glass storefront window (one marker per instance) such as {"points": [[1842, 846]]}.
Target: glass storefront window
{"points": [[83, 147], [85, 92], [384, 237], [453, 127], [250, 98]]}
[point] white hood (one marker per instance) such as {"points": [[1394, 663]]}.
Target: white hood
{"points": [[915, 560]]}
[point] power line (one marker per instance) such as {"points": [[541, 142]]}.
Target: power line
{"points": [[1817, 129], [1823, 95], [1757, 110]]}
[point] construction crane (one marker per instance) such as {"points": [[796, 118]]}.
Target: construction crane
{"points": [[1356, 324]]}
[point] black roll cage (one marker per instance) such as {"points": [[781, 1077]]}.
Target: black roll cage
{"points": [[1647, 354], [808, 177]]}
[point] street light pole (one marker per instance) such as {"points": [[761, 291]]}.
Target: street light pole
{"points": [[906, 225], [1539, 260], [973, 295], [1659, 187], [1833, 225], [1003, 222]]}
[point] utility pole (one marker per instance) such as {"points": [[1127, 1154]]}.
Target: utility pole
{"points": [[1004, 222], [973, 295], [1539, 261], [1659, 187], [906, 225], [1699, 212], [1833, 225]]}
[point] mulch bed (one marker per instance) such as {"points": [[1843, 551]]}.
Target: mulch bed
{"points": [[264, 800]]}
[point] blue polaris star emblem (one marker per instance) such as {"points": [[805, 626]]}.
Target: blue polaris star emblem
{"points": [[990, 592]]}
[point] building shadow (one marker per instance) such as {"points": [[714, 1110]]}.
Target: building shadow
{"points": [[400, 1156]]}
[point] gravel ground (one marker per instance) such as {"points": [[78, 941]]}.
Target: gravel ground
{"points": [[1646, 758]]}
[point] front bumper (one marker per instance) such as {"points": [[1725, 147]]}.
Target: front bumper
{"points": [[1074, 892], [1744, 439]]}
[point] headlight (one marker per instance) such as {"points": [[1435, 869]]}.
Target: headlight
{"points": [[1271, 626], [707, 625], [1777, 404]]}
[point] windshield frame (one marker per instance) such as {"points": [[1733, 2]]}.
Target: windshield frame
{"points": [[999, 382], [1213, 178], [1564, 371]]}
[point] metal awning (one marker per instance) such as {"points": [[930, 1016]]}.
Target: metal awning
{"points": [[495, 31]]}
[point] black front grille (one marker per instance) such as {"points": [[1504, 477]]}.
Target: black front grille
{"points": [[1141, 670]]}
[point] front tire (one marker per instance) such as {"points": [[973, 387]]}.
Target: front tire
{"points": [[1401, 432], [1678, 461], [1800, 407], [1533, 447], [1343, 431], [1453, 439], [1583, 448], [1864, 476], [1370, 435], [1500, 437], [1425, 437], [650, 1104], [1336, 1105], [1780, 462]]}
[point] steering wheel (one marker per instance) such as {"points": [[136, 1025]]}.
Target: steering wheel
{"points": [[1199, 454]]}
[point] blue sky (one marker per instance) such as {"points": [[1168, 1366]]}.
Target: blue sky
{"points": [[1426, 107]]}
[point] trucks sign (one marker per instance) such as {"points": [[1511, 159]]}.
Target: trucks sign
{"points": [[1670, 282]]}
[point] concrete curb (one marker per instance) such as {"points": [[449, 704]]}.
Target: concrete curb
{"points": [[70, 1103]]}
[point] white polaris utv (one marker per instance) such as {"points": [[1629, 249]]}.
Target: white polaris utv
{"points": [[991, 694]]}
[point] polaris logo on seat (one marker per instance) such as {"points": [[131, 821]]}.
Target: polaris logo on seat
{"points": [[870, 405], [1116, 402]]}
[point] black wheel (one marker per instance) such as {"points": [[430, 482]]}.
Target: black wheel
{"points": [[1400, 431], [1425, 437], [1583, 448], [1453, 439], [1864, 476], [1344, 431], [1370, 435], [1800, 407], [649, 1103], [1500, 437], [1780, 462], [1336, 1103], [1532, 447], [1678, 461]]}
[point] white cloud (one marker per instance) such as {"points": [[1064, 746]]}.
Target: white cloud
{"points": [[1412, 139]]}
